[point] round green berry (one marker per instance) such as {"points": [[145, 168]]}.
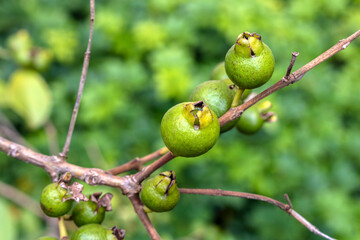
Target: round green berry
{"points": [[219, 73], [190, 129], [250, 121], [86, 212], [93, 232], [51, 200], [160, 193], [217, 95], [249, 63]]}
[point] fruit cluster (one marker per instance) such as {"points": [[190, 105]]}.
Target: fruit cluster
{"points": [[191, 129], [57, 199], [188, 129]]}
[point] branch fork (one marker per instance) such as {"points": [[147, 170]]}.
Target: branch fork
{"points": [[130, 184]]}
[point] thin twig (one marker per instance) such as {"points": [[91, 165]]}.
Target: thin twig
{"points": [[285, 207], [85, 67], [138, 207], [292, 62], [148, 170], [137, 163], [236, 112]]}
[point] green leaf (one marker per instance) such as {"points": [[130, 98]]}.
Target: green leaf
{"points": [[30, 97], [7, 223]]}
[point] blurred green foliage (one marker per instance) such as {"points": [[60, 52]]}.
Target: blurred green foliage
{"points": [[149, 55]]}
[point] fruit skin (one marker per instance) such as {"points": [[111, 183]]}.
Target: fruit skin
{"points": [[190, 129], [249, 63], [250, 121], [218, 72], [51, 200], [160, 193], [84, 213], [217, 95], [93, 232]]}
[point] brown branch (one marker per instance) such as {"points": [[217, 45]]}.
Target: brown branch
{"points": [[55, 166], [138, 207], [137, 163], [85, 67], [285, 207], [292, 62], [148, 170], [236, 112], [129, 185]]}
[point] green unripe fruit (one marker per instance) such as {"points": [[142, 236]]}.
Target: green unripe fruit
{"points": [[47, 238], [250, 121], [190, 129], [51, 200], [228, 126], [93, 232], [219, 73], [160, 193], [249, 63], [85, 213], [217, 95]]}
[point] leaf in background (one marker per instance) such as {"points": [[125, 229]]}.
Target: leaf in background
{"points": [[30, 97], [7, 223]]}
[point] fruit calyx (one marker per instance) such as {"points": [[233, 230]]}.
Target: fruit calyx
{"points": [[249, 44], [167, 176], [198, 114], [118, 233]]}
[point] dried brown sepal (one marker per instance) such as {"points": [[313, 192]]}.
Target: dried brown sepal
{"points": [[269, 117], [104, 201], [75, 192], [118, 233], [64, 180], [172, 178]]}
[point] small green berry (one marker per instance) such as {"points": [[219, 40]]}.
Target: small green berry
{"points": [[217, 95], [160, 193], [219, 73], [190, 129], [51, 200], [86, 212], [93, 232], [249, 63], [250, 121]]}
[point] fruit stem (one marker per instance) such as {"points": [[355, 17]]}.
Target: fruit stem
{"points": [[62, 228], [238, 98]]}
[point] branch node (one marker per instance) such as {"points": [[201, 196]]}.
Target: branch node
{"points": [[292, 62], [14, 151], [92, 178], [131, 186], [290, 206], [345, 45]]}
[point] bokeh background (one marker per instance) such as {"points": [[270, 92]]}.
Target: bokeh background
{"points": [[149, 55]]}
